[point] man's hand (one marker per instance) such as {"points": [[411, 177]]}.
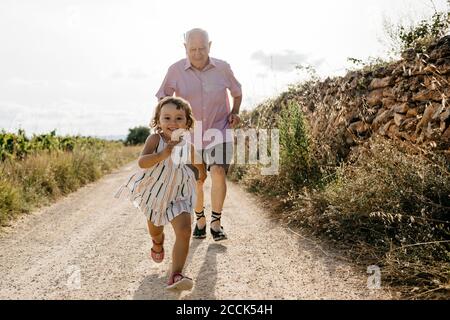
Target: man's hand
{"points": [[233, 119]]}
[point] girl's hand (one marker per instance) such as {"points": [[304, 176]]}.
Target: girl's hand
{"points": [[202, 175], [169, 147], [178, 134]]}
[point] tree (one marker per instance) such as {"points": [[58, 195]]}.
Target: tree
{"points": [[137, 135]]}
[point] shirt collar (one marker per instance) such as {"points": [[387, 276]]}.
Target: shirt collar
{"points": [[211, 64]]}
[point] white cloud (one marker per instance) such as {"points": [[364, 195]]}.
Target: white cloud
{"points": [[72, 117], [283, 62]]}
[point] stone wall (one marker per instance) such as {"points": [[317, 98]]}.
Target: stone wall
{"points": [[406, 99]]}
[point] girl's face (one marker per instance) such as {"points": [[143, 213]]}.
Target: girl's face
{"points": [[171, 119]]}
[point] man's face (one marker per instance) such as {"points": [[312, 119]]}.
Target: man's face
{"points": [[197, 50]]}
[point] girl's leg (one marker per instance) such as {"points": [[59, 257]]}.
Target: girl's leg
{"points": [[157, 235], [182, 226]]}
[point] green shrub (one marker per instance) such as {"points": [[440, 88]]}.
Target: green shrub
{"points": [[425, 32], [295, 152], [19, 146], [137, 135], [417, 36]]}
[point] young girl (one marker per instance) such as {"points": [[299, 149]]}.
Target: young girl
{"points": [[164, 190]]}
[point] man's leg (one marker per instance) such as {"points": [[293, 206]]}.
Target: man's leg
{"points": [[220, 157], [199, 230], [199, 204], [218, 192]]}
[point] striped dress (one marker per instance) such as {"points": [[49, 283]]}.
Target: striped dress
{"points": [[165, 190]]}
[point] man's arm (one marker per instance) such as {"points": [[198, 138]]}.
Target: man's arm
{"points": [[233, 117], [236, 104], [236, 93]]}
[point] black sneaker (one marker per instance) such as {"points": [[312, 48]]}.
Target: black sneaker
{"points": [[218, 235], [199, 233]]}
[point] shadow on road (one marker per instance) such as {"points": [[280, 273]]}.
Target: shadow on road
{"points": [[205, 282], [153, 286], [192, 249]]}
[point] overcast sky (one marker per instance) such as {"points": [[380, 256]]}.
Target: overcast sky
{"points": [[92, 67]]}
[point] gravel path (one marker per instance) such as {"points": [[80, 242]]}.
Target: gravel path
{"points": [[90, 245]]}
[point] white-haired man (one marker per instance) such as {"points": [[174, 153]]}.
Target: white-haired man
{"points": [[204, 81]]}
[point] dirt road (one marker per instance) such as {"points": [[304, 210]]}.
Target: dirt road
{"points": [[90, 245]]}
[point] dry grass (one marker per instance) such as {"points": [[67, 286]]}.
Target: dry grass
{"points": [[393, 201], [386, 203], [45, 176]]}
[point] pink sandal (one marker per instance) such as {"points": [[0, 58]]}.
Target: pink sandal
{"points": [[179, 282], [158, 257]]}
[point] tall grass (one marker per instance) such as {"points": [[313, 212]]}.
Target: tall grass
{"points": [[298, 167], [395, 200], [386, 203], [44, 176]]}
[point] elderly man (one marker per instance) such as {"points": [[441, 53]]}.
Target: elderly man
{"points": [[203, 81]]}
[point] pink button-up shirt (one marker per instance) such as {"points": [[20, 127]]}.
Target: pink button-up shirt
{"points": [[206, 91]]}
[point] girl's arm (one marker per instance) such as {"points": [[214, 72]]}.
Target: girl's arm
{"points": [[199, 166], [148, 158]]}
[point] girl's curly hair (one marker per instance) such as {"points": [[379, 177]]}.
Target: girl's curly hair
{"points": [[181, 104]]}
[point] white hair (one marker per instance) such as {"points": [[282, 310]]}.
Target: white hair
{"points": [[188, 34]]}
